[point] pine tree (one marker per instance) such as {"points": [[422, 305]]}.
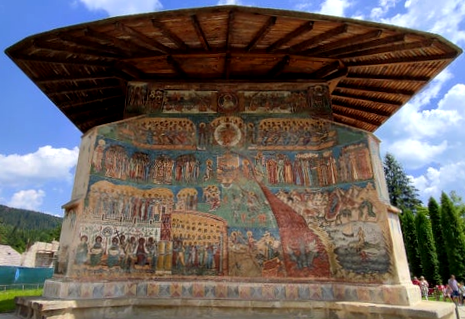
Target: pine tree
{"points": [[435, 218], [454, 237], [426, 247], [411, 242], [402, 193], [404, 196]]}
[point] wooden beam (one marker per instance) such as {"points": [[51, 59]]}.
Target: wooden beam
{"points": [[141, 39], [175, 65], [170, 35], [364, 98], [376, 89], [227, 65], [343, 43], [66, 106], [86, 43], [81, 90], [389, 48], [368, 109], [339, 74], [261, 33], [383, 78], [404, 60], [318, 38], [104, 112], [63, 46], [62, 60], [87, 108], [229, 29], [130, 70], [279, 67], [123, 45], [326, 70], [304, 28], [359, 118], [366, 45], [200, 34], [71, 78]]}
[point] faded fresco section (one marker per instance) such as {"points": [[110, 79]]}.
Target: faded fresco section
{"points": [[230, 184]]}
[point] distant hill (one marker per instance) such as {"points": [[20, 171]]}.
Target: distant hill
{"points": [[27, 219]]}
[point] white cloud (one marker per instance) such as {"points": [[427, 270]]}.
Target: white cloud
{"points": [[334, 7], [46, 164], [122, 7], [443, 17], [28, 199], [329, 7], [229, 2], [447, 178]]}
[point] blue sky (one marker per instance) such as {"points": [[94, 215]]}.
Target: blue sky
{"points": [[39, 145]]}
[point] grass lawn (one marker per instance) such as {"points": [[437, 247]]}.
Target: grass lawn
{"points": [[7, 298]]}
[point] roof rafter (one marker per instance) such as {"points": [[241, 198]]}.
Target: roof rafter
{"points": [[337, 93], [141, 39], [345, 104], [371, 77], [368, 88], [279, 67], [85, 90], [86, 43], [338, 112], [346, 42], [304, 28], [123, 45], [71, 105], [319, 38], [390, 48], [170, 35], [403, 60], [176, 66], [366, 45], [200, 34], [66, 48], [261, 33], [228, 30]]}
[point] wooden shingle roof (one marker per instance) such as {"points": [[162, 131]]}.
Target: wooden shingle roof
{"points": [[372, 69]]}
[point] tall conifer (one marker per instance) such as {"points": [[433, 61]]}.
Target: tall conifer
{"points": [[454, 237], [436, 227], [427, 247], [411, 242]]}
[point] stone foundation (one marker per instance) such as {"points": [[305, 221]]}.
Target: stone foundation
{"points": [[170, 308]]}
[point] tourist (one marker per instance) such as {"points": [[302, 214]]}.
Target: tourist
{"points": [[415, 281], [424, 287], [455, 288]]}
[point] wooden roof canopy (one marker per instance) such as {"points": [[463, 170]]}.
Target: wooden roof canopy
{"points": [[372, 69]]}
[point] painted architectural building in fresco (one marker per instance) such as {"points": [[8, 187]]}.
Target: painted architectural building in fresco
{"points": [[228, 163]]}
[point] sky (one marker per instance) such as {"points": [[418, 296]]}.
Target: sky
{"points": [[39, 145]]}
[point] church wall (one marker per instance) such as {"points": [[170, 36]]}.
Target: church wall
{"points": [[246, 185]]}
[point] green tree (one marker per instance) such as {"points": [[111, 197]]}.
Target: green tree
{"points": [[454, 237], [411, 242], [404, 196], [426, 247], [402, 193], [436, 227]]}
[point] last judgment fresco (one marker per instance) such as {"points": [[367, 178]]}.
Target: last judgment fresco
{"points": [[255, 184]]}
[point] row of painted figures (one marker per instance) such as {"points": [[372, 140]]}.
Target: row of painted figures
{"points": [[305, 170], [150, 254]]}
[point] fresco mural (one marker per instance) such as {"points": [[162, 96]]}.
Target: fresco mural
{"points": [[236, 184]]}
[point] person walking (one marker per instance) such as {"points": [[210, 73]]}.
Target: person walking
{"points": [[452, 282], [424, 287]]}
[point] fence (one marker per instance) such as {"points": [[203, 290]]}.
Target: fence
{"points": [[23, 277]]}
